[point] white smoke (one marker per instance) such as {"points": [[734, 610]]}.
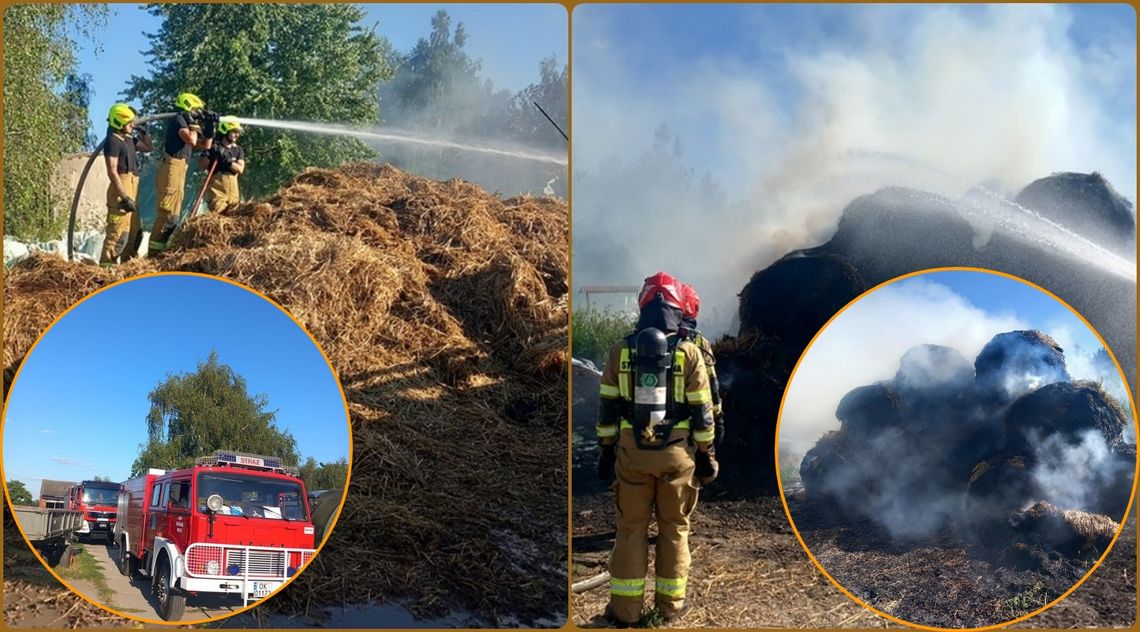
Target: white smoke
{"points": [[864, 344], [1069, 474], [940, 98]]}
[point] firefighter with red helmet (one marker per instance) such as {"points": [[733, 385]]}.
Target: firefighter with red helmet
{"points": [[690, 309], [655, 430]]}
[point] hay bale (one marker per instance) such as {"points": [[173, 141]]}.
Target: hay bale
{"points": [[443, 309], [866, 411], [1068, 409], [1085, 203], [996, 486], [1015, 362], [753, 370], [793, 298], [1069, 532]]}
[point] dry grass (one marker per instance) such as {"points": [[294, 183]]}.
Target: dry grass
{"points": [[443, 310]]}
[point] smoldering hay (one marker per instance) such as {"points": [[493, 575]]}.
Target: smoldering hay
{"points": [[896, 231], [1006, 448], [443, 309]]}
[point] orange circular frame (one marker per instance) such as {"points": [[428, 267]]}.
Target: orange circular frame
{"points": [[780, 483], [343, 399]]}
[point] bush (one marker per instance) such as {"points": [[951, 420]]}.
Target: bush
{"points": [[595, 332]]}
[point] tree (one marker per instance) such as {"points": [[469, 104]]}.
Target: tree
{"points": [[307, 62], [194, 414], [552, 92], [331, 475], [19, 493], [437, 85], [45, 111]]}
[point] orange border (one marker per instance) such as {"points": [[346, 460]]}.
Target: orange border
{"points": [[343, 399], [780, 483]]}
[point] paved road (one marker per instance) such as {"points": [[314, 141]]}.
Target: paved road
{"points": [[132, 597]]}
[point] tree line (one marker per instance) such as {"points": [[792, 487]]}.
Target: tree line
{"points": [[315, 63]]}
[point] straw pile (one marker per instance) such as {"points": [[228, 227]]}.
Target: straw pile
{"points": [[443, 310]]}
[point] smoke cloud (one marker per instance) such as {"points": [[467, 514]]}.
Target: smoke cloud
{"points": [[763, 150], [865, 343]]}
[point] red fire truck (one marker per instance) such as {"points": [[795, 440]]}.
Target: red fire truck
{"points": [[96, 500], [234, 523]]}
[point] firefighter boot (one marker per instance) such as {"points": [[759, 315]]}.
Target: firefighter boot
{"points": [[676, 499]]}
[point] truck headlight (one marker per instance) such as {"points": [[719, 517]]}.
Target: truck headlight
{"points": [[213, 567]]}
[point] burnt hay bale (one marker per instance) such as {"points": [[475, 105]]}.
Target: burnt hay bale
{"points": [[866, 411], [1085, 203], [1067, 409], [1014, 362], [795, 296]]}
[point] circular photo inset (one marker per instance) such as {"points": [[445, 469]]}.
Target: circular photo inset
{"points": [[957, 449], [175, 448]]}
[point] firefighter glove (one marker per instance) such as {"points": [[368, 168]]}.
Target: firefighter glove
{"points": [[719, 431], [607, 457], [209, 126], [127, 204], [707, 467]]}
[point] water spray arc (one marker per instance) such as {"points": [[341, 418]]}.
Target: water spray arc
{"points": [[399, 136]]}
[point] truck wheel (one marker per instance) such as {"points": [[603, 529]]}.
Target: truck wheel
{"points": [[171, 604], [128, 566]]}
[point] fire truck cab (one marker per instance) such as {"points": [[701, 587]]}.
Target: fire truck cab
{"points": [[96, 500], [234, 523]]}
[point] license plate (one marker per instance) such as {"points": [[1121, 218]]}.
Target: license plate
{"points": [[262, 589], [102, 523]]}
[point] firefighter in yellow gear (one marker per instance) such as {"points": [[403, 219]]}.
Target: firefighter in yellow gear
{"points": [[690, 310], [192, 128], [120, 156], [228, 160], [655, 431]]}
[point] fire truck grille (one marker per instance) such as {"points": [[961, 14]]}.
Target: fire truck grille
{"points": [[102, 515], [266, 563]]}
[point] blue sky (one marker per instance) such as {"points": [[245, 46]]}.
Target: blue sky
{"points": [[511, 39], [78, 407]]}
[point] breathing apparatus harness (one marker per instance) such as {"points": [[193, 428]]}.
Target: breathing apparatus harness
{"points": [[651, 369]]}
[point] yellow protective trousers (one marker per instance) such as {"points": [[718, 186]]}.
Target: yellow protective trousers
{"points": [[121, 226], [222, 192], [652, 483], [171, 189]]}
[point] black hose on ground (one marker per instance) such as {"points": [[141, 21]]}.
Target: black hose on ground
{"points": [[83, 179]]}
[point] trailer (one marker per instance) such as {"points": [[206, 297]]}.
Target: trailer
{"points": [[50, 531]]}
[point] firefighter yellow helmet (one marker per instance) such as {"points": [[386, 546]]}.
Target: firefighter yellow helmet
{"points": [[119, 115], [228, 124], [189, 102]]}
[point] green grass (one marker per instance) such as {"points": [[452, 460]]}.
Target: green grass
{"points": [[595, 332], [1025, 602], [85, 567]]}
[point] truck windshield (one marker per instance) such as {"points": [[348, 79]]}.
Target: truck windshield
{"points": [[252, 496], [100, 496]]}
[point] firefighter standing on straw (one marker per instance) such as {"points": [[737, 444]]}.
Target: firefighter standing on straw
{"points": [[228, 159], [192, 128], [690, 309], [655, 430], [124, 230]]}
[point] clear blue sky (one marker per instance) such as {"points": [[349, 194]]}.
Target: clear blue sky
{"points": [[511, 40], [78, 408]]}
